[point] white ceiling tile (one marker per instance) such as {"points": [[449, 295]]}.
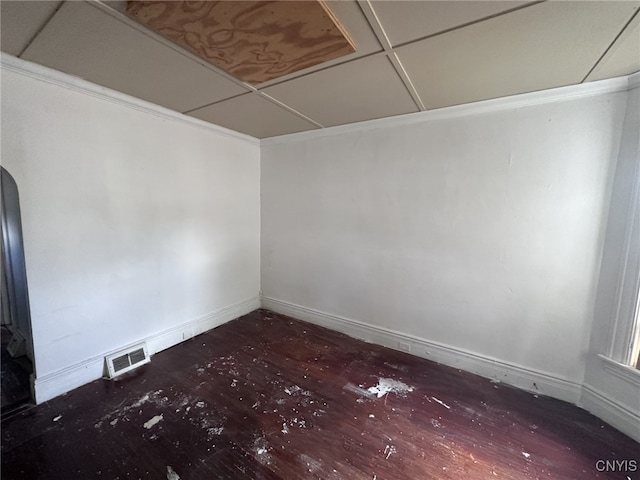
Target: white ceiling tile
{"points": [[84, 41], [253, 115], [404, 20], [356, 25], [543, 46], [624, 56], [360, 90], [20, 21]]}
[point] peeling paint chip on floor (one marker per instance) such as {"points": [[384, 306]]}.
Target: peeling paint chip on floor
{"points": [[386, 385], [441, 403], [293, 389], [171, 475], [153, 421], [388, 450]]}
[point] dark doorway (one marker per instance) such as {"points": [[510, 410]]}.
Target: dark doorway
{"points": [[17, 345]]}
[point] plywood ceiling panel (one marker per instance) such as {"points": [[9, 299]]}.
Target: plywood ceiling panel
{"points": [[253, 115], [360, 90], [20, 21], [360, 31], [84, 41], [255, 41], [547, 45]]}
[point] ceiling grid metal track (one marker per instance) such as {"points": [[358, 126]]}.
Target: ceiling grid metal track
{"points": [[378, 29]]}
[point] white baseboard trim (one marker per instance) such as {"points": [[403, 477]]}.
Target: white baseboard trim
{"points": [[57, 383], [516, 375], [607, 409], [186, 331]]}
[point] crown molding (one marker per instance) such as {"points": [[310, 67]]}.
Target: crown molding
{"points": [[55, 77], [571, 92]]}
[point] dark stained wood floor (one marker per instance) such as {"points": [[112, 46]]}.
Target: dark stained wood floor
{"points": [[268, 397]]}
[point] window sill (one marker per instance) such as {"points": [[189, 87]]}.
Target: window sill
{"points": [[624, 372]]}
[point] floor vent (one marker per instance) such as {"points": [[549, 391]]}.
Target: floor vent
{"points": [[126, 360]]}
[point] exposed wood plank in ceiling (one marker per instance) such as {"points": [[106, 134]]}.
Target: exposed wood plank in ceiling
{"points": [[255, 41]]}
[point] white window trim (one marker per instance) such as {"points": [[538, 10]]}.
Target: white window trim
{"points": [[625, 331], [624, 372], [625, 338]]}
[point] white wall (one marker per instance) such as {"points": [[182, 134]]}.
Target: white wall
{"points": [[475, 240], [136, 226], [481, 234]]}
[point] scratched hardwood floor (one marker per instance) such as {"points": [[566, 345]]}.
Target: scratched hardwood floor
{"points": [[269, 397]]}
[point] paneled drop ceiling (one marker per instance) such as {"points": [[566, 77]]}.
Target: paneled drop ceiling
{"points": [[409, 56]]}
